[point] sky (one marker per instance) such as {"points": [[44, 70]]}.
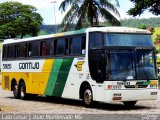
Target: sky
{"points": [[49, 9]]}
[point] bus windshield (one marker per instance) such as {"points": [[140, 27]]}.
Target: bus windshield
{"points": [[131, 64]]}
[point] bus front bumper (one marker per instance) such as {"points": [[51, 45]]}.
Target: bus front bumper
{"points": [[131, 95]]}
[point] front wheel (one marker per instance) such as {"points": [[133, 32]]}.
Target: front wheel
{"points": [[88, 97], [129, 103], [16, 92], [22, 91]]}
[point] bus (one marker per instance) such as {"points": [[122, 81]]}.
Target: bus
{"points": [[97, 64]]}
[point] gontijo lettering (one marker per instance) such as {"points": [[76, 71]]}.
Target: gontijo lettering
{"points": [[29, 65]]}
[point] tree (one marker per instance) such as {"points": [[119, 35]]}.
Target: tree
{"points": [[141, 5], [143, 27], [87, 13], [18, 20]]}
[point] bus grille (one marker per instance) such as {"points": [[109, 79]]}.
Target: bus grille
{"points": [[6, 82]]}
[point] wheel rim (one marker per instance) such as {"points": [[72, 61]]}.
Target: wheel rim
{"points": [[15, 90], [22, 92], [88, 96]]}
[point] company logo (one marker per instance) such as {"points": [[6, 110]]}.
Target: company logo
{"points": [[79, 65]]}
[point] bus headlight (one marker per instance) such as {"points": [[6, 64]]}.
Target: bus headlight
{"points": [[153, 86]]}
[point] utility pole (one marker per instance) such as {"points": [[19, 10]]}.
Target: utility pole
{"points": [[54, 2]]}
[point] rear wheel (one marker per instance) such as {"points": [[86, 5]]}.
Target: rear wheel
{"points": [[88, 97], [22, 91], [129, 103], [16, 91]]}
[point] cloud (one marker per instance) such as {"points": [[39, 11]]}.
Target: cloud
{"points": [[123, 14]]}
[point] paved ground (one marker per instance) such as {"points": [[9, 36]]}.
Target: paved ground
{"points": [[56, 106]]}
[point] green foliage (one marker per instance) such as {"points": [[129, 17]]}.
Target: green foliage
{"points": [[18, 20], [158, 49], [157, 32], [151, 22], [159, 81], [157, 39], [141, 5], [143, 27], [49, 29], [87, 13], [42, 32]]}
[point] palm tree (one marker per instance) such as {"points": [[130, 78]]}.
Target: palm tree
{"points": [[88, 12]]}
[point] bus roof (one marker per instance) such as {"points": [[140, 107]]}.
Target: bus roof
{"points": [[82, 31], [119, 30]]}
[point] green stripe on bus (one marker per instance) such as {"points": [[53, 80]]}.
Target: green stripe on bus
{"points": [[62, 77], [53, 76], [147, 83]]}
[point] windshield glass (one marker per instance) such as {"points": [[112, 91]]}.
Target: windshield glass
{"points": [[145, 64], [130, 64], [122, 65]]}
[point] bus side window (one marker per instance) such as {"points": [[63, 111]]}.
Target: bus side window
{"points": [[30, 53], [33, 49], [21, 50], [76, 45], [95, 40], [67, 44], [11, 51], [51, 51], [43, 48], [4, 52], [59, 46], [83, 45]]}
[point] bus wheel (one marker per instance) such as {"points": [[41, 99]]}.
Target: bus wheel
{"points": [[88, 97], [16, 92], [129, 103], [22, 91]]}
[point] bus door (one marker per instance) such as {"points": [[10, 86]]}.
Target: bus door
{"points": [[98, 72]]}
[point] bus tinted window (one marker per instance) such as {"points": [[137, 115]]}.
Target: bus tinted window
{"points": [[76, 45], [11, 51], [33, 49], [60, 46], [112, 39], [21, 50], [4, 52], [95, 40], [45, 48]]}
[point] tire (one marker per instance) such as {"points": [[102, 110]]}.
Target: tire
{"points": [[129, 104], [16, 91], [22, 91], [88, 97]]}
